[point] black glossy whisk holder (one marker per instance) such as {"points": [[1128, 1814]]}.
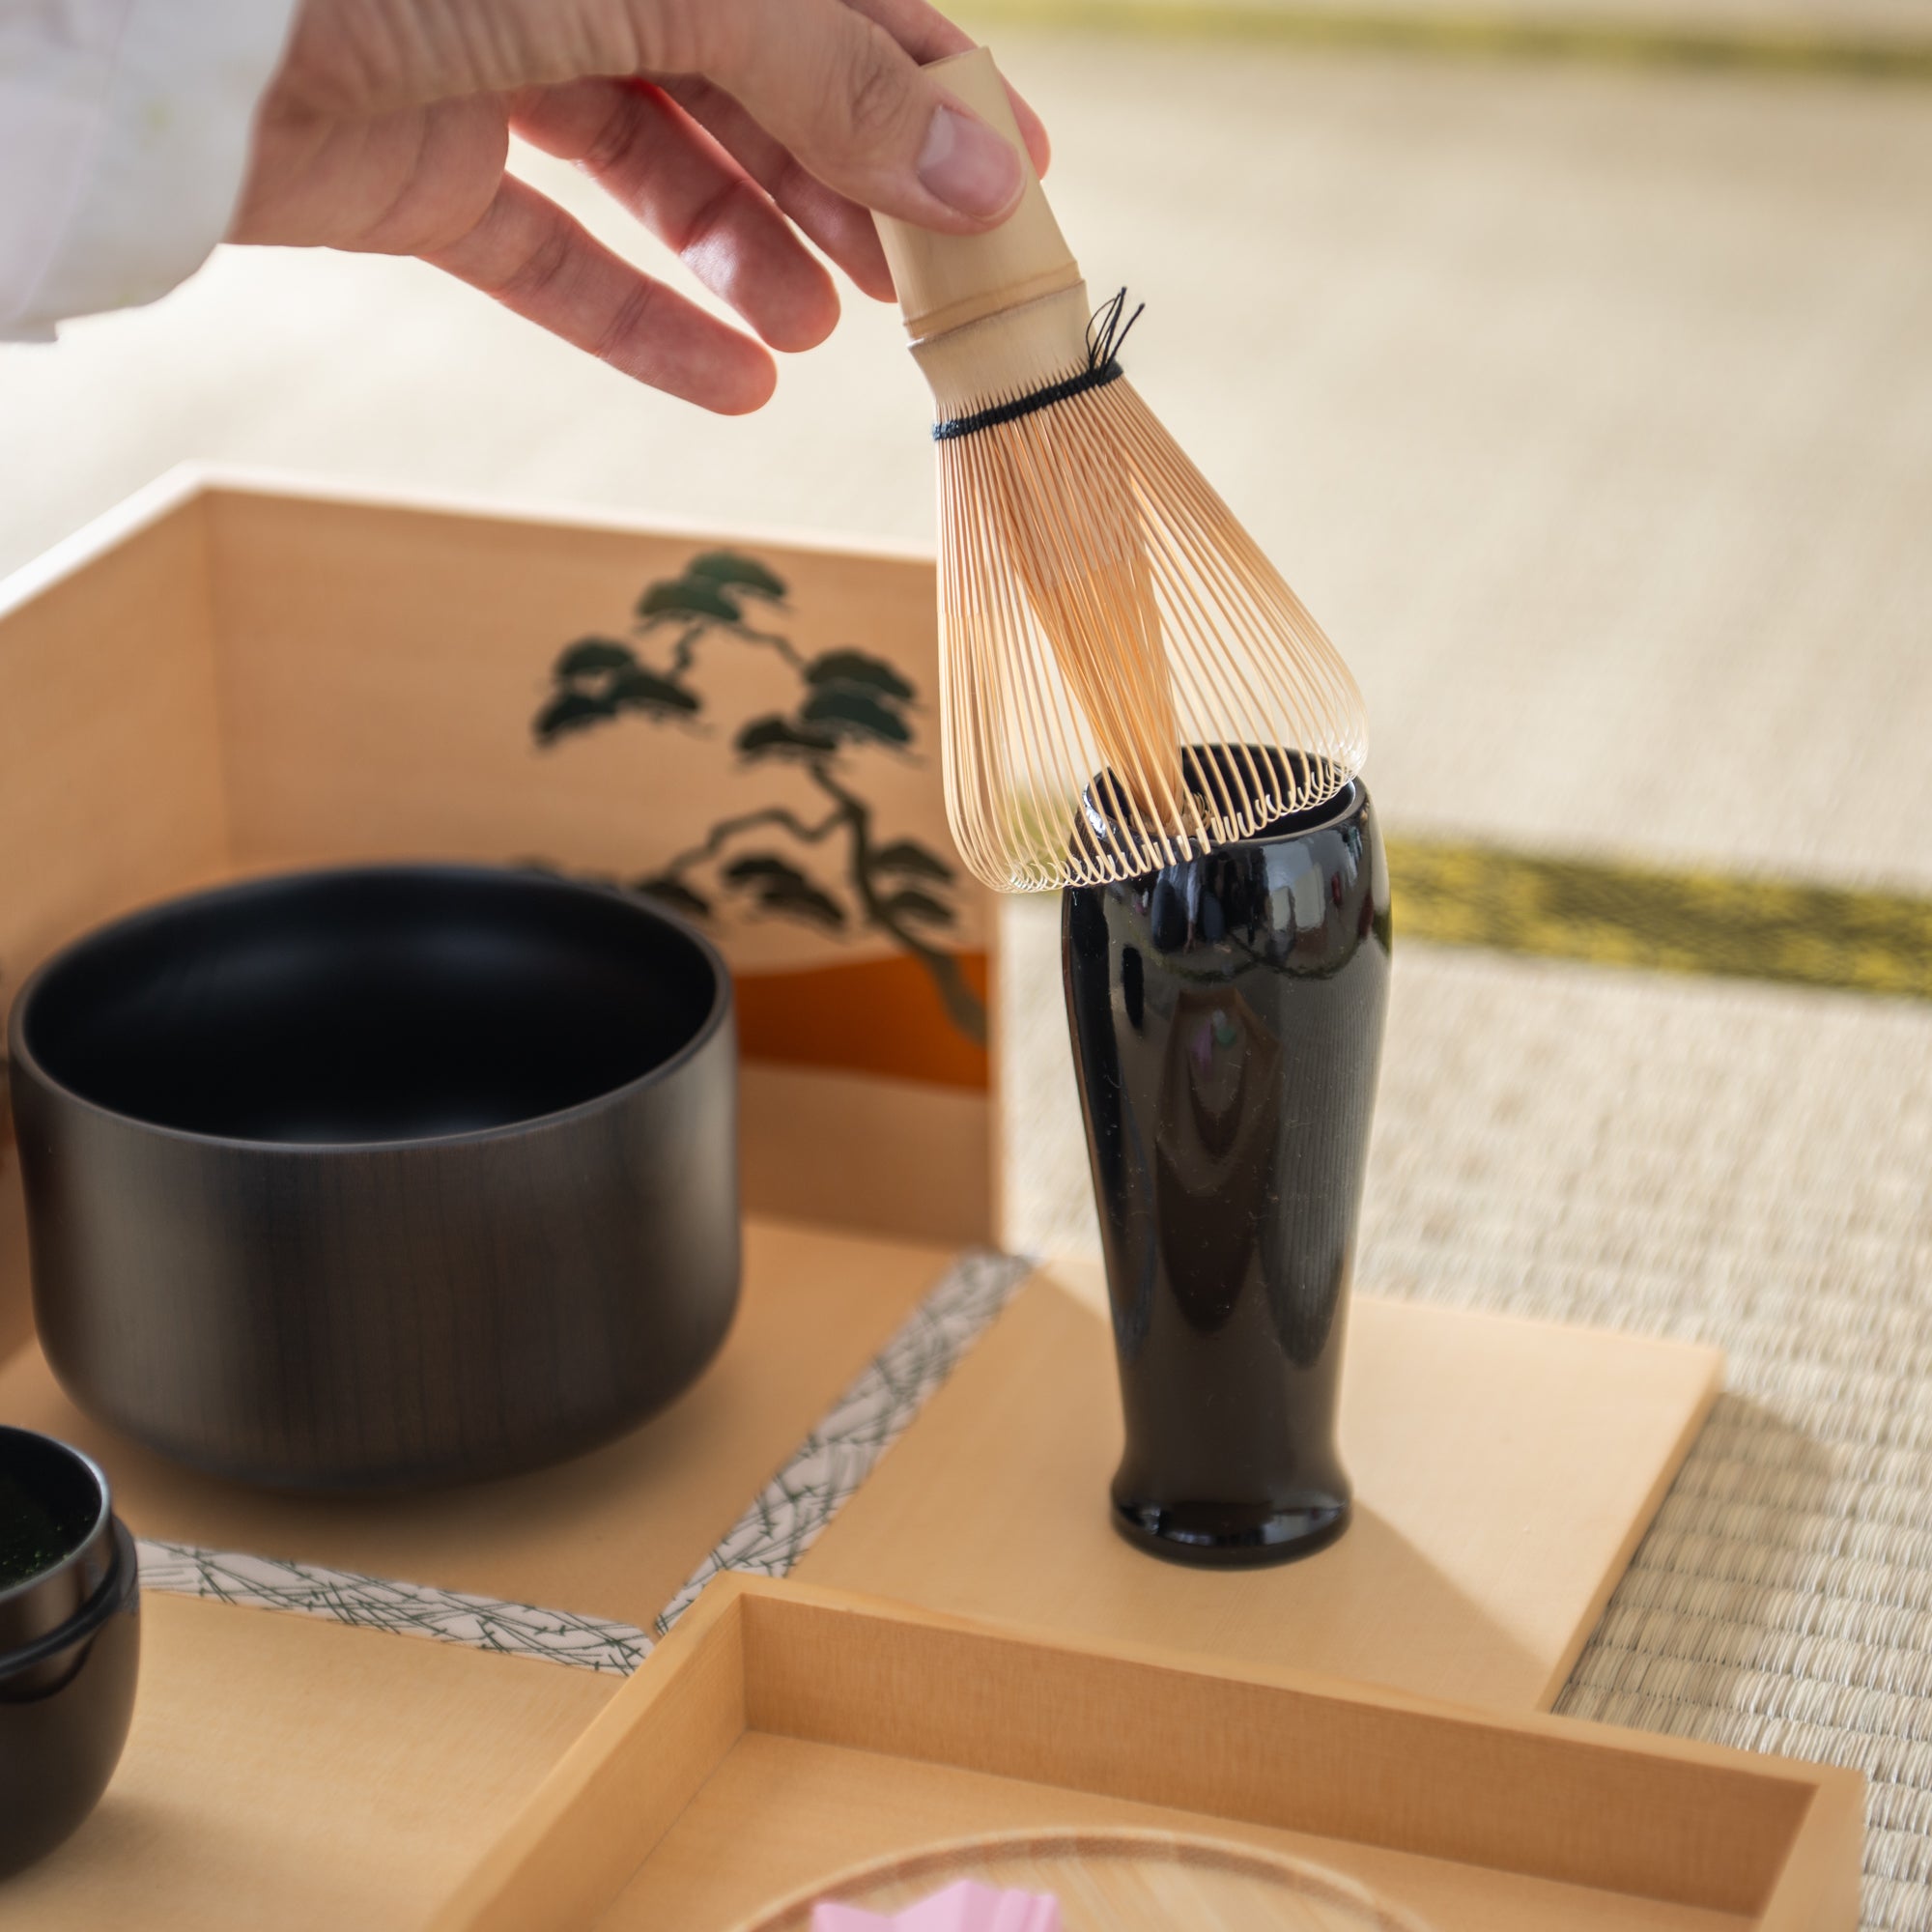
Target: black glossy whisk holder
{"points": [[1227, 1016]]}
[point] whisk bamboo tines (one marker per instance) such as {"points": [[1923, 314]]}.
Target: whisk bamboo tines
{"points": [[1124, 679]]}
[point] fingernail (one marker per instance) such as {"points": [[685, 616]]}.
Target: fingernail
{"points": [[968, 166]]}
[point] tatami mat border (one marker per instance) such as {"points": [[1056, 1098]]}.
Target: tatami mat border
{"points": [[1627, 915], [1604, 39]]}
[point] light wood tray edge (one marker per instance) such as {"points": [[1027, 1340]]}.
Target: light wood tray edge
{"points": [[1666, 1474], [620, 1788], [1701, 1365]]}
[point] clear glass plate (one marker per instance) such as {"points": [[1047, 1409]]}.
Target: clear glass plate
{"points": [[1115, 1881]]}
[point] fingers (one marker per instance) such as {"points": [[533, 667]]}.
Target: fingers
{"points": [[852, 104], [675, 179], [927, 35], [537, 261], [841, 228]]}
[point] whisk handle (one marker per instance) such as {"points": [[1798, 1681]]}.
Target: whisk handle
{"points": [[945, 281]]}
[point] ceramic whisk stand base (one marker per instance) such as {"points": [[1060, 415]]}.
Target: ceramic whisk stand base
{"points": [[1227, 1016]]}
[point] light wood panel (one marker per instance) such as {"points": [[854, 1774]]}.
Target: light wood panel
{"points": [[897, 1157], [111, 785], [290, 1772], [381, 668], [614, 1533], [872, 1728], [1503, 1470]]}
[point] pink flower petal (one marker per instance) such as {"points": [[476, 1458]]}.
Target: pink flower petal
{"points": [[962, 1907], [969, 1907]]}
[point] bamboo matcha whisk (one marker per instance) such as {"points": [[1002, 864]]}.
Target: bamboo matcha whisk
{"points": [[1104, 621]]}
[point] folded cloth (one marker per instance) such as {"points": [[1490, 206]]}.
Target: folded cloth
{"points": [[963, 1907]]}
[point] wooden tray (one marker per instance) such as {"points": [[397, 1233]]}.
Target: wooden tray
{"points": [[1504, 1470], [784, 1733], [288, 1773], [612, 1534]]}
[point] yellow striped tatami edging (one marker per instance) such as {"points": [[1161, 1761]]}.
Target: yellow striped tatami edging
{"points": [[1626, 915]]}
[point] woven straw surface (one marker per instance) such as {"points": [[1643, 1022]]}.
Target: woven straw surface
{"points": [[1734, 1163]]}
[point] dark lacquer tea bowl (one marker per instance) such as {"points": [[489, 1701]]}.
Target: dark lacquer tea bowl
{"points": [[70, 1642], [394, 1175]]}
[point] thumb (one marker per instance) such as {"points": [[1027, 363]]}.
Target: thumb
{"points": [[857, 111]]}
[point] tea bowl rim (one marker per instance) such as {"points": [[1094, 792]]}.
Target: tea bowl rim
{"points": [[25, 1063]]}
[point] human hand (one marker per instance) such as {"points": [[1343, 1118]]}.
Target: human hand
{"points": [[730, 127]]}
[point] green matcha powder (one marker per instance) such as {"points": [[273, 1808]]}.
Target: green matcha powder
{"points": [[32, 1538]]}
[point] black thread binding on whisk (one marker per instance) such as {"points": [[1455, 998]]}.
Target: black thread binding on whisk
{"points": [[1105, 333]]}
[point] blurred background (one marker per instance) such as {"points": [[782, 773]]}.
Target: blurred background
{"points": [[1583, 393], [1573, 359]]}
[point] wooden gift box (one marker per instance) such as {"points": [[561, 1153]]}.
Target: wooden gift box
{"points": [[229, 675], [232, 676]]}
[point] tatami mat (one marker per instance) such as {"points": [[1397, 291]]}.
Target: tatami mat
{"points": [[1734, 1163]]}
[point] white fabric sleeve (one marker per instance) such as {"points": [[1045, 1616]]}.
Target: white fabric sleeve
{"points": [[124, 138]]}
